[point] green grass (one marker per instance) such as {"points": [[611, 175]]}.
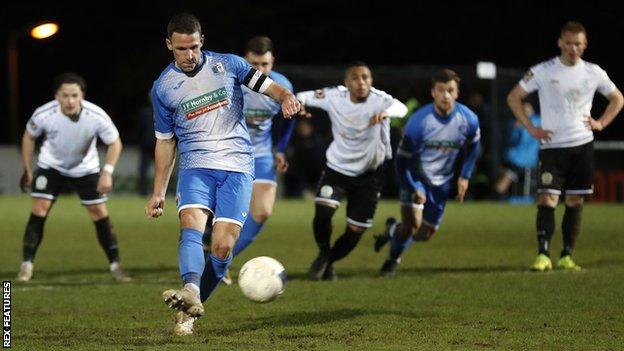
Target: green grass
{"points": [[467, 289]]}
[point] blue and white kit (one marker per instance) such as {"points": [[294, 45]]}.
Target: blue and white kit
{"points": [[426, 157], [259, 112], [204, 110]]}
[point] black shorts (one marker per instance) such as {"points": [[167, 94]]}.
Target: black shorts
{"points": [[362, 194], [567, 170], [48, 183]]}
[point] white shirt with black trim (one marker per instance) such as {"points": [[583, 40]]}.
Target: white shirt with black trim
{"points": [[70, 145], [358, 147], [566, 94]]}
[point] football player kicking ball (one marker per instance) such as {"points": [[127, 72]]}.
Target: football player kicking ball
{"points": [[198, 109], [435, 135]]}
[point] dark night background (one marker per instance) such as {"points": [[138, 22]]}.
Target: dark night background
{"points": [[119, 47]]}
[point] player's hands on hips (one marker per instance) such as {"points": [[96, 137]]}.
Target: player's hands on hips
{"points": [[462, 186], [281, 164], [540, 134], [593, 124], [26, 180], [155, 206], [105, 183], [378, 118], [290, 106], [303, 112]]}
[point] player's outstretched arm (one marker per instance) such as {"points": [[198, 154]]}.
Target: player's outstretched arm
{"points": [[616, 102], [514, 100], [105, 183], [164, 161], [28, 146], [290, 105]]}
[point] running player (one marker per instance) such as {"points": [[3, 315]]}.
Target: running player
{"points": [[260, 110], [435, 135], [361, 131]]}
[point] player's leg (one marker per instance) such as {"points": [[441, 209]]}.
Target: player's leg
{"points": [[401, 234], [196, 201], [232, 207], [46, 186], [262, 201], [570, 227], [328, 195], [33, 235], [95, 204], [579, 183], [433, 212], [362, 197], [550, 181]]}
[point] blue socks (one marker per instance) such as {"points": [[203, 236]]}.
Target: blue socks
{"points": [[214, 270], [398, 244], [248, 234], [191, 256]]}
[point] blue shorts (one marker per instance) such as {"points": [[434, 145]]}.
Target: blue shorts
{"points": [[224, 193], [265, 170], [433, 209]]}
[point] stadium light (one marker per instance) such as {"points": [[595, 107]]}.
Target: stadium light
{"points": [[487, 70], [44, 30], [41, 31]]}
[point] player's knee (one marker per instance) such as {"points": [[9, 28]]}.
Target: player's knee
{"points": [[574, 201], [41, 208], [549, 200], [261, 215], [97, 212], [222, 249], [424, 235], [407, 231], [356, 229], [188, 219]]}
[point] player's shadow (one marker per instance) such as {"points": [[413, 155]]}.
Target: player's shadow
{"points": [[349, 273], [307, 318], [156, 275]]}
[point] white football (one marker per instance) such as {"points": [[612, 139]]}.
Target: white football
{"points": [[262, 279]]}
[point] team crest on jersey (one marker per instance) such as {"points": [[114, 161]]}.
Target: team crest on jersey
{"points": [[32, 124], [205, 103], [528, 76], [218, 68], [319, 94]]}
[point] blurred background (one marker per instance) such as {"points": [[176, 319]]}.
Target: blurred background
{"points": [[119, 48]]}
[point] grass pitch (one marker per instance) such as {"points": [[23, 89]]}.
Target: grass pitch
{"points": [[466, 289]]}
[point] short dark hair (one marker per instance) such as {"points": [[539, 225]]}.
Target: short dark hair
{"points": [[69, 78], [445, 75], [183, 23], [573, 27], [356, 64], [259, 45]]}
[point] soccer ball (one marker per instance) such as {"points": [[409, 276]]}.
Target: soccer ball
{"points": [[262, 279]]}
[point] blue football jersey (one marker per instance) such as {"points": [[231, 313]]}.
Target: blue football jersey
{"points": [[433, 142], [204, 110], [259, 111]]}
